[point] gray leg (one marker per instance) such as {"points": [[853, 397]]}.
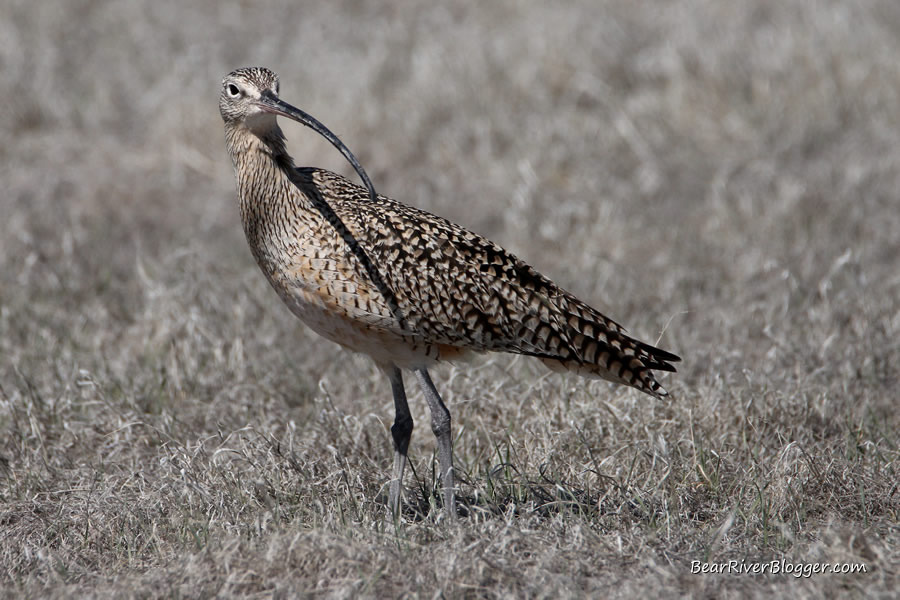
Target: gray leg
{"points": [[440, 425], [401, 431]]}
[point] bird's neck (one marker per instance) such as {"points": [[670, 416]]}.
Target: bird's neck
{"points": [[245, 145], [260, 160], [262, 169]]}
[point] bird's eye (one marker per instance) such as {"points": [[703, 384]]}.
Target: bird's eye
{"points": [[233, 90]]}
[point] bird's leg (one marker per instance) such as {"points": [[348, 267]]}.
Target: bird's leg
{"points": [[440, 425], [401, 430]]}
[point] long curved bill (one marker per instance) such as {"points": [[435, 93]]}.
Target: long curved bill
{"points": [[271, 103]]}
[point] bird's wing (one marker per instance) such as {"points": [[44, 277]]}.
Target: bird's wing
{"points": [[457, 288]]}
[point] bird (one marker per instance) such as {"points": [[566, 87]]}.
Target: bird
{"points": [[406, 287]]}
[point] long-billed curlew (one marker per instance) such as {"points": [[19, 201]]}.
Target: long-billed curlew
{"points": [[404, 286]]}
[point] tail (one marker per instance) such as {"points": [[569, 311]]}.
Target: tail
{"points": [[593, 345], [633, 366]]}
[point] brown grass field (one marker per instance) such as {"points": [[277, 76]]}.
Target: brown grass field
{"points": [[722, 177]]}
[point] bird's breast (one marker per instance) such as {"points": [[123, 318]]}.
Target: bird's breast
{"points": [[326, 291]]}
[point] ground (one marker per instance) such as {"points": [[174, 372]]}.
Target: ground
{"points": [[720, 177]]}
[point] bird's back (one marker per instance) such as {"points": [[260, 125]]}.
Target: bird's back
{"points": [[414, 280]]}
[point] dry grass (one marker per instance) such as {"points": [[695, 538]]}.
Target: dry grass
{"points": [[726, 171]]}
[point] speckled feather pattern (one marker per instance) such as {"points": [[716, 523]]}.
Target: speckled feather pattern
{"points": [[410, 288]]}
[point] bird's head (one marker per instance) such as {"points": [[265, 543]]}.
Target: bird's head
{"points": [[249, 100]]}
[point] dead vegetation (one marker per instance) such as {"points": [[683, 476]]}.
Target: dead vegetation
{"points": [[725, 172]]}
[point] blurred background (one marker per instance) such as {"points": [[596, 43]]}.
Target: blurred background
{"points": [[721, 177]]}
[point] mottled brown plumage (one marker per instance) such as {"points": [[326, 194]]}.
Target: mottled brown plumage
{"points": [[402, 285]]}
